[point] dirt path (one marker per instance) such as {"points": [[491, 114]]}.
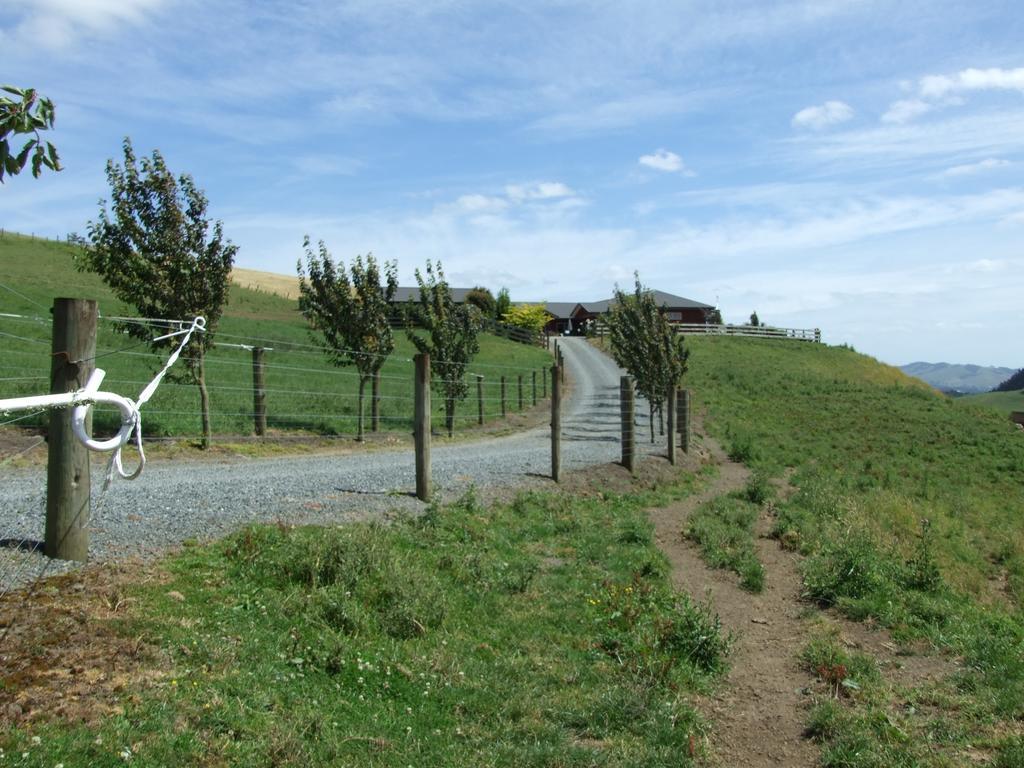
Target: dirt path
{"points": [[758, 718]]}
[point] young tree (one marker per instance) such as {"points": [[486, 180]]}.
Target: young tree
{"points": [[502, 304], [27, 116], [155, 250], [754, 320], [351, 314], [449, 336], [646, 345]]}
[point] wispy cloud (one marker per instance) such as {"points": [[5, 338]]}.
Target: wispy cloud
{"points": [[823, 115], [57, 23], [664, 160], [970, 169], [905, 110], [539, 190]]}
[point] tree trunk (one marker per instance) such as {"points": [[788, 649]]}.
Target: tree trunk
{"points": [[650, 417], [359, 417], [204, 400], [449, 416], [661, 418]]}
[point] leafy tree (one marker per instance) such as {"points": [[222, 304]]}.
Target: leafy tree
{"points": [[482, 299], [532, 317], [27, 115], [502, 304], [1012, 384], [449, 336], [714, 316], [644, 342], [350, 313], [155, 251], [754, 321]]}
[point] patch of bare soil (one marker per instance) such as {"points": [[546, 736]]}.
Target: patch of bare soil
{"points": [[60, 653], [758, 718]]}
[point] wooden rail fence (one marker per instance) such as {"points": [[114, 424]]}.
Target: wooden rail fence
{"points": [[755, 331]]}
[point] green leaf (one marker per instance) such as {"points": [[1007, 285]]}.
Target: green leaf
{"points": [[23, 155], [12, 89]]}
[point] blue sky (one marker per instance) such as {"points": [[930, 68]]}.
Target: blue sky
{"points": [[853, 165]]}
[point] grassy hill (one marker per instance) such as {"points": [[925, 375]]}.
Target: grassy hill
{"points": [[306, 394], [909, 511]]}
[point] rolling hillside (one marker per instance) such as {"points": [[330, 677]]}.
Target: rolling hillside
{"points": [[306, 394]]}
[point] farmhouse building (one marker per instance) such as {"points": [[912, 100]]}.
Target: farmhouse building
{"points": [[573, 319]]}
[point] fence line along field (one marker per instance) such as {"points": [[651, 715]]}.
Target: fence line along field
{"points": [[305, 393]]}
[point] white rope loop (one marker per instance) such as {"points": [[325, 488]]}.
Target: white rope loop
{"points": [[131, 416]]}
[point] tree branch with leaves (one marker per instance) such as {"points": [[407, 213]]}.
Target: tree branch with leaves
{"points": [[350, 313], [27, 115]]}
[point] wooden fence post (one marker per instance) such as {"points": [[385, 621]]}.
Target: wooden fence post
{"points": [[683, 418], [533, 386], [503, 412], [479, 399], [421, 426], [672, 426], [519, 390], [544, 382], [626, 413], [67, 471], [556, 425], [259, 393], [375, 402], [561, 366]]}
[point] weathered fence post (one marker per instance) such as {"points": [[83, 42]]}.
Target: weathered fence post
{"points": [[519, 390], [479, 399], [67, 470], [375, 402], [683, 418], [556, 424], [503, 411], [259, 393], [626, 407], [817, 335], [561, 366], [544, 383], [672, 426], [533, 386], [421, 426]]}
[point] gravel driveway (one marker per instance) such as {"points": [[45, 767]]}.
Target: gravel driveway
{"points": [[182, 499]]}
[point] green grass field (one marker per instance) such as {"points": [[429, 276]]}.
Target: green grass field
{"points": [[306, 394], [1004, 402], [909, 510], [539, 633]]}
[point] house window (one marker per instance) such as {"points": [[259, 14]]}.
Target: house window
{"points": [[674, 316]]}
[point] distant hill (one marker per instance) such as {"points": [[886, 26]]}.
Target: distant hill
{"points": [[962, 379]]}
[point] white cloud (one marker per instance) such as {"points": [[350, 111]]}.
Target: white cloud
{"points": [[969, 169], [935, 91], [939, 86], [540, 190], [824, 115], [905, 110], [663, 160]]}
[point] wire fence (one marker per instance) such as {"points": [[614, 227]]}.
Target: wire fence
{"points": [[303, 392]]}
